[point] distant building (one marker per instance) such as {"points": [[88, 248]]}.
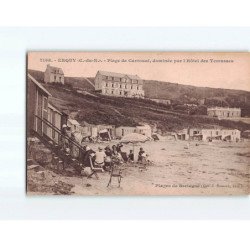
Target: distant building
{"points": [[117, 84], [53, 75], [164, 101], [124, 130], [221, 134], [109, 128], [144, 130], [224, 113], [182, 135], [206, 134]]}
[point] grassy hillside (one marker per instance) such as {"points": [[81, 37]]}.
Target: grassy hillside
{"points": [[129, 112], [178, 93], [190, 94]]}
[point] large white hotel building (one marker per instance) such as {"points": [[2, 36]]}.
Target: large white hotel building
{"points": [[117, 84]]}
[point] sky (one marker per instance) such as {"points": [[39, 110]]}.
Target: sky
{"points": [[203, 69]]}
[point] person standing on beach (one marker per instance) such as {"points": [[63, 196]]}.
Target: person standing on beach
{"points": [[141, 152], [63, 136], [108, 158], [131, 157]]}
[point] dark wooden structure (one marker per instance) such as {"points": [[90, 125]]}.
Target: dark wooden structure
{"points": [[40, 126]]}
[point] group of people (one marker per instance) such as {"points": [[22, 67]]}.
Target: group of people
{"points": [[106, 157], [103, 157]]}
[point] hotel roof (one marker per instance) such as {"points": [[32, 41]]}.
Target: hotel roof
{"points": [[119, 75]]}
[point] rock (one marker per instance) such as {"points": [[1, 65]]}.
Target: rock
{"points": [[86, 171], [41, 174], [35, 167]]}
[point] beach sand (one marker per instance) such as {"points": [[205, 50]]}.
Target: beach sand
{"points": [[220, 168]]}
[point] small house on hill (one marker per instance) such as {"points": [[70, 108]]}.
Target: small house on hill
{"points": [[53, 75]]}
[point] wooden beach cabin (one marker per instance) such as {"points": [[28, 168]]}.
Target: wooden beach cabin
{"points": [[56, 118], [37, 106]]}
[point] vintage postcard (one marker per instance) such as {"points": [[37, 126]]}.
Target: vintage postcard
{"points": [[138, 123]]}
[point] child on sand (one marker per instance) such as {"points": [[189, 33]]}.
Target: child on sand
{"points": [[131, 156]]}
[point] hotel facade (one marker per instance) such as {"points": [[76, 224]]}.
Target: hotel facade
{"points": [[117, 84]]}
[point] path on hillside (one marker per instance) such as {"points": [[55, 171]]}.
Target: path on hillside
{"points": [[89, 81]]}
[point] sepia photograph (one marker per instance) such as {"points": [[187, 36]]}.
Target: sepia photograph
{"points": [[138, 123]]}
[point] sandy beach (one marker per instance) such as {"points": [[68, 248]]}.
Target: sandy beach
{"points": [[219, 168]]}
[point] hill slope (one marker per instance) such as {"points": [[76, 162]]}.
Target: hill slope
{"points": [[190, 94], [129, 112], [178, 93]]}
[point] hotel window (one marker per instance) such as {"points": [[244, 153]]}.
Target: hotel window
{"points": [[120, 93], [54, 78], [107, 84], [125, 86], [112, 92], [137, 87], [131, 86], [120, 86], [112, 85], [45, 103]]}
